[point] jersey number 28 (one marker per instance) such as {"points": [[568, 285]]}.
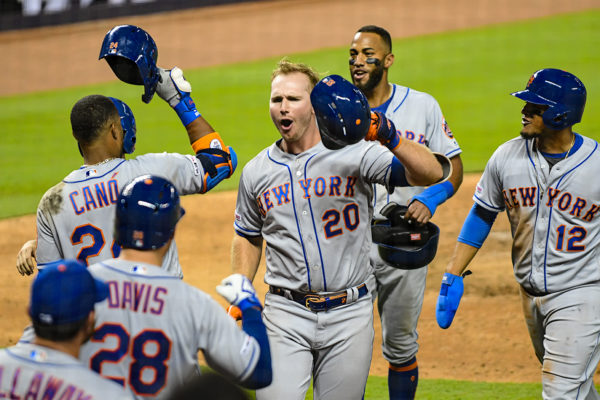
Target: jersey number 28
{"points": [[141, 360]]}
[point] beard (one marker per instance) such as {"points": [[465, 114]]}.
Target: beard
{"points": [[374, 79], [529, 135]]}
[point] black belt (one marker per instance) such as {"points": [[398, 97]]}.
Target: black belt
{"points": [[319, 302]]}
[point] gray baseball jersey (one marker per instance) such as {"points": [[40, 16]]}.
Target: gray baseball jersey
{"points": [[554, 215], [30, 371], [75, 219], [149, 331], [418, 117], [314, 211]]}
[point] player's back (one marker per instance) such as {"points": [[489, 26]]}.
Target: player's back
{"points": [[75, 218], [150, 329], [36, 372]]}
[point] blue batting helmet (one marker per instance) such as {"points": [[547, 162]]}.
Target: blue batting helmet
{"points": [[403, 244], [147, 211], [128, 124], [342, 111], [561, 91], [131, 53]]}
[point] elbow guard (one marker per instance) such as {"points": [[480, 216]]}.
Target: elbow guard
{"points": [[217, 164]]}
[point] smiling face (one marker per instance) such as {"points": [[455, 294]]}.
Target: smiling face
{"points": [[533, 124], [370, 59], [291, 110]]}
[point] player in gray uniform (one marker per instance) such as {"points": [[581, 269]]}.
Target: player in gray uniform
{"points": [[62, 312], [547, 181], [313, 207], [75, 217], [149, 331], [418, 117]]}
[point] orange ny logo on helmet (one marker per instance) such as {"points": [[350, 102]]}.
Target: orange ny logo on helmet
{"points": [[530, 80], [330, 82]]}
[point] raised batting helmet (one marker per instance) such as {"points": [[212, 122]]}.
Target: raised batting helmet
{"points": [[131, 53], [561, 91], [147, 211], [128, 124], [342, 112], [402, 244]]}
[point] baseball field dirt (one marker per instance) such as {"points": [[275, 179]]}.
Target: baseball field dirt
{"points": [[488, 340]]}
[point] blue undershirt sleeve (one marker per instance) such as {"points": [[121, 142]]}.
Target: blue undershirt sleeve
{"points": [[477, 226], [397, 174]]}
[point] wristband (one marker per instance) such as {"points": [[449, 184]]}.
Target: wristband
{"points": [[435, 195], [186, 110]]}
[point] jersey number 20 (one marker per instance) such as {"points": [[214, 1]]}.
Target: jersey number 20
{"points": [[333, 217], [141, 360]]}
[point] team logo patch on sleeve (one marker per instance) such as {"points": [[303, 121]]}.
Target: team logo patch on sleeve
{"points": [[478, 189], [238, 217], [195, 163]]}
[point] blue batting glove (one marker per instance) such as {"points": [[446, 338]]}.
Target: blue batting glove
{"points": [[449, 299]]}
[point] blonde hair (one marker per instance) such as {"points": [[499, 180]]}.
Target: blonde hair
{"points": [[286, 67]]}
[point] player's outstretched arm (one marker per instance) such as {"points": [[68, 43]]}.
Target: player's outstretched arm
{"points": [[423, 206], [26, 262], [245, 255], [421, 168], [475, 230], [238, 291], [218, 160]]}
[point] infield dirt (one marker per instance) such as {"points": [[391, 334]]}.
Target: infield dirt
{"points": [[488, 340]]}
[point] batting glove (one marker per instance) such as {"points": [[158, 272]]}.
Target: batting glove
{"points": [[238, 291], [449, 299], [383, 129], [175, 89]]}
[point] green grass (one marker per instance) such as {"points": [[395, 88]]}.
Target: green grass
{"points": [[435, 389], [470, 72]]}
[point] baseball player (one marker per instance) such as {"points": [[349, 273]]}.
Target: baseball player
{"points": [[417, 117], [313, 207], [75, 217], [547, 182], [61, 309], [150, 330]]}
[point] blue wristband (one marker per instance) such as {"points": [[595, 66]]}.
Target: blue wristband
{"points": [[435, 195], [186, 110]]}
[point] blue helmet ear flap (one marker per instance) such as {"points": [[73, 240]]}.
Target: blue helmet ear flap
{"points": [[128, 125], [132, 54]]}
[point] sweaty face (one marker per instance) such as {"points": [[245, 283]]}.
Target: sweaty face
{"points": [[367, 47], [290, 106], [533, 124]]}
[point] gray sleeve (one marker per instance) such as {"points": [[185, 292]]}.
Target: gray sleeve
{"points": [[48, 245], [375, 163], [438, 133], [248, 218], [226, 347], [488, 192], [184, 171]]}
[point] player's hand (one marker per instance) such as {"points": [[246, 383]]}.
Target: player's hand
{"points": [[26, 262], [418, 212], [383, 129], [172, 86], [238, 291], [449, 299]]}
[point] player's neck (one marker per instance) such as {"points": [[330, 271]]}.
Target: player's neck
{"points": [[152, 257], [97, 154], [556, 142], [380, 93], [70, 347]]}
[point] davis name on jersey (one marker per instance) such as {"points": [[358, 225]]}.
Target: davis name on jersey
{"points": [[137, 297]]}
